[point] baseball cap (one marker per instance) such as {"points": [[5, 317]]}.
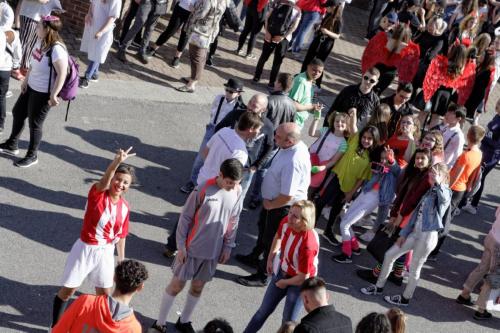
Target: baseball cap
{"points": [[392, 17]]}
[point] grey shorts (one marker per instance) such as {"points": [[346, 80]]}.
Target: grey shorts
{"points": [[195, 269]]}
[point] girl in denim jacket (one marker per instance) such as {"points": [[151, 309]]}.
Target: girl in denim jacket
{"points": [[379, 192], [419, 235]]}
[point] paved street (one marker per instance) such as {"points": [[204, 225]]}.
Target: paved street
{"points": [[41, 208]]}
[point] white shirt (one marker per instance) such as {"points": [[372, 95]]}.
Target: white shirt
{"points": [[225, 144], [330, 146], [35, 10], [187, 4], [38, 79], [289, 174], [455, 146], [225, 108], [6, 16]]}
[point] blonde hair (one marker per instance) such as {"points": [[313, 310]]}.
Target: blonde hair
{"points": [[307, 213], [397, 318], [443, 170]]}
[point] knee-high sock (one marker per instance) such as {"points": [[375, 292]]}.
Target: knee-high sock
{"points": [[58, 309], [191, 302], [166, 304]]}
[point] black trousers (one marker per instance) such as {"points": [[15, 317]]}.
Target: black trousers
{"points": [[375, 16], [254, 22], [279, 50], [172, 240], [34, 106], [320, 48], [489, 162], [332, 195], [179, 17], [387, 75], [456, 197], [145, 17], [269, 221], [127, 22], [4, 87]]}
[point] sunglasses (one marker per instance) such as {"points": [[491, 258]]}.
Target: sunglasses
{"points": [[231, 91], [366, 78]]}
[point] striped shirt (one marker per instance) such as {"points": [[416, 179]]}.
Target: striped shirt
{"points": [[299, 250], [104, 222]]}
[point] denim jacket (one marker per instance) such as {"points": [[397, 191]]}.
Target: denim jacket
{"points": [[387, 182], [434, 205]]}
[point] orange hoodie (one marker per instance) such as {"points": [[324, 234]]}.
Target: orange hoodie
{"points": [[90, 313]]}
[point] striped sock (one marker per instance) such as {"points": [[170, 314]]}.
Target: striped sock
{"points": [[399, 267], [377, 269]]}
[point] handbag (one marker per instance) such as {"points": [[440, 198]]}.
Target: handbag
{"points": [[381, 242], [493, 302], [314, 156]]}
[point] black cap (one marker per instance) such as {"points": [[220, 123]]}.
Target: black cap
{"points": [[234, 84]]}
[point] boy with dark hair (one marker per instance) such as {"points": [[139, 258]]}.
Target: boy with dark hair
{"points": [[205, 236], [399, 105], [104, 313], [218, 325], [453, 137], [280, 107]]}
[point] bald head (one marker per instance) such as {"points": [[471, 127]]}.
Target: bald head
{"points": [[287, 135], [258, 103]]}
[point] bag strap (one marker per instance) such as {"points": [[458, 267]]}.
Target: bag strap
{"points": [[449, 140], [322, 141], [218, 110]]}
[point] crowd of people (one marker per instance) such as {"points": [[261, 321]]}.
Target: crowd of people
{"points": [[416, 156]]}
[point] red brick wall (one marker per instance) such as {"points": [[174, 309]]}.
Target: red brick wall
{"points": [[74, 17]]}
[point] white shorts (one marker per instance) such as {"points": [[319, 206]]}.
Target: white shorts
{"points": [[95, 262]]}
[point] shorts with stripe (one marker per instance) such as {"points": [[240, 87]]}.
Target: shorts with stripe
{"points": [[94, 262], [195, 269]]}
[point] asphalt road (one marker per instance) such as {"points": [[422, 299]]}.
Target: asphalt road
{"points": [[41, 211]]}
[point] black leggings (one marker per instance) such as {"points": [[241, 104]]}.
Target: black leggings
{"points": [[320, 48], [34, 106], [332, 195], [179, 17], [254, 22]]}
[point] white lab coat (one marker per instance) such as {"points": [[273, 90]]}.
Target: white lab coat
{"points": [[97, 49]]}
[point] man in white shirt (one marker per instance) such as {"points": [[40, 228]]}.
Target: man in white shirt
{"points": [[285, 182], [453, 137]]}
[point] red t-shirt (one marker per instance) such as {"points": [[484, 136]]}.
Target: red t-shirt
{"points": [[312, 6], [104, 222], [299, 250], [399, 147]]}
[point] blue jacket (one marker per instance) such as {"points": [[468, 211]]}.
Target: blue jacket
{"points": [[434, 205], [387, 182]]}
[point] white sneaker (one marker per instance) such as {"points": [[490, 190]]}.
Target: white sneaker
{"points": [[326, 212], [470, 209], [367, 236]]}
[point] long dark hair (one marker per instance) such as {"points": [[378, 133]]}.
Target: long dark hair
{"points": [[375, 135], [53, 27]]}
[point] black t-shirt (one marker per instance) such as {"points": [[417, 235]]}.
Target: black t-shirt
{"points": [[396, 115]]}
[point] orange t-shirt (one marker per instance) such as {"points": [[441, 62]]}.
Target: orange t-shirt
{"points": [[90, 313], [469, 161]]}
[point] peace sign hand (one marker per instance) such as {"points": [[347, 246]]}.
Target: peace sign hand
{"points": [[122, 155]]}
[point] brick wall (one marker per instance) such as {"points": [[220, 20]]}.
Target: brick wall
{"points": [[74, 17]]}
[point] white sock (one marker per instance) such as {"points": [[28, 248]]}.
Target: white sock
{"points": [[191, 302], [166, 304]]}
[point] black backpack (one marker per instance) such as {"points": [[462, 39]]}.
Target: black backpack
{"points": [[280, 20]]}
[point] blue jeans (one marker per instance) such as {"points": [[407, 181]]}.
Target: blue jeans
{"points": [[92, 69], [198, 161], [272, 297], [256, 194], [306, 23]]}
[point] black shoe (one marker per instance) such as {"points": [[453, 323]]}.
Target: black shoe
{"points": [[8, 149], [26, 162], [84, 83], [397, 280], [175, 62], [94, 78], [184, 327], [122, 56], [256, 79], [254, 204], [356, 252], [367, 275], [188, 188], [482, 315], [249, 260], [254, 280], [210, 62], [330, 238], [150, 52], [143, 58], [342, 259], [464, 301], [169, 253], [155, 328]]}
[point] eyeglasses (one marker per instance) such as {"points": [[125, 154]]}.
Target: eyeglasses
{"points": [[231, 91], [367, 78]]}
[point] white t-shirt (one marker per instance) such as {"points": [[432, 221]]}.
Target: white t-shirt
{"points": [[35, 10], [225, 144], [38, 79], [456, 140], [225, 108], [331, 145], [187, 4]]}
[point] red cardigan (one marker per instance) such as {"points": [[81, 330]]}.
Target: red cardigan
{"points": [[261, 4]]}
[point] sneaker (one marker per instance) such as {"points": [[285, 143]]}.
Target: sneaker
{"points": [[367, 236], [330, 238], [342, 259], [254, 280], [397, 300], [175, 63], [84, 83], [356, 252], [241, 53], [249, 260], [169, 253], [188, 188], [8, 94], [27, 161], [250, 56], [470, 209], [326, 212], [94, 78], [155, 328], [150, 52], [397, 280], [256, 79], [482, 315], [456, 212], [122, 56], [372, 290], [143, 58], [464, 301], [367, 275], [8, 149], [184, 327], [210, 62]]}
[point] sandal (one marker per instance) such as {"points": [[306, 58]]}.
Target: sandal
{"points": [[185, 89]]}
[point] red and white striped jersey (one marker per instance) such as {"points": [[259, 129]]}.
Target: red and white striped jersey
{"points": [[299, 250], [104, 222]]}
